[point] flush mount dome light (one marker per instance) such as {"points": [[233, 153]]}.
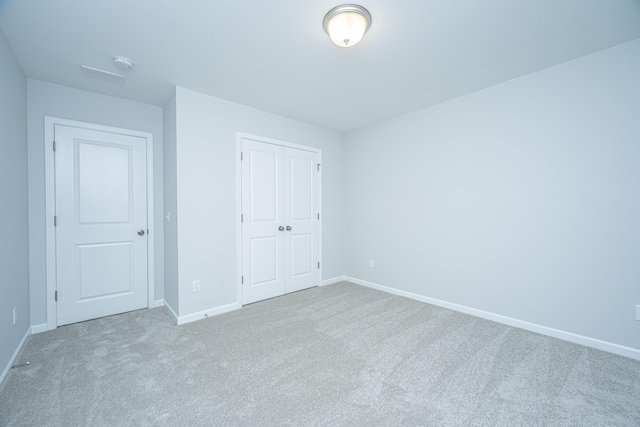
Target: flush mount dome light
{"points": [[347, 24]]}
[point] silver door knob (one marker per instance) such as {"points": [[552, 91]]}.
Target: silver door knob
{"points": [[288, 228], [281, 228], [140, 232]]}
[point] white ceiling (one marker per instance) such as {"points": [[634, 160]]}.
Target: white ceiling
{"points": [[275, 56]]}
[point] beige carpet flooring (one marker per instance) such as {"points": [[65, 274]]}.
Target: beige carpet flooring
{"points": [[341, 355]]}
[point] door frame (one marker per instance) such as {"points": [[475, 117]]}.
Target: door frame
{"points": [[50, 203], [239, 137]]}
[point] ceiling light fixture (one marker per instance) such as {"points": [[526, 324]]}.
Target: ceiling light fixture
{"points": [[346, 24]]}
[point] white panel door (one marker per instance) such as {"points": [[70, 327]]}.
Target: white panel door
{"points": [[101, 231], [263, 219], [280, 226], [301, 219]]}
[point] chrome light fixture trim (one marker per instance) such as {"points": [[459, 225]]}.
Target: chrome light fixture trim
{"points": [[347, 9]]}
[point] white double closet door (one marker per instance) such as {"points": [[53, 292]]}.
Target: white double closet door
{"points": [[281, 220]]}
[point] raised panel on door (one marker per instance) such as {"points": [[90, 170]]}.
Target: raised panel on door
{"points": [[104, 270], [262, 206], [301, 210], [101, 260], [301, 255]]}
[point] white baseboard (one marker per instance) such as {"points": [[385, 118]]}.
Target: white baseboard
{"points": [[333, 280], [620, 350], [157, 303], [13, 358], [38, 329], [181, 320], [172, 312], [208, 313]]}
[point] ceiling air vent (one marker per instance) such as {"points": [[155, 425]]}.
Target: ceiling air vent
{"points": [[105, 76]]}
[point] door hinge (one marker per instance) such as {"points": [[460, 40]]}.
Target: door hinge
{"points": [[55, 221], [241, 156], [318, 216], [318, 167], [54, 146], [241, 217], [318, 265], [56, 295], [243, 280]]}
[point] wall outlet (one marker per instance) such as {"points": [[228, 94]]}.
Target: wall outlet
{"points": [[15, 315], [196, 285], [638, 312], [371, 264]]}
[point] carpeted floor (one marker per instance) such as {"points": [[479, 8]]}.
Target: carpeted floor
{"points": [[341, 355]]}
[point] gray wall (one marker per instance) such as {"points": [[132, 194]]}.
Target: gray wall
{"points": [[206, 193], [46, 99], [522, 200], [14, 230]]}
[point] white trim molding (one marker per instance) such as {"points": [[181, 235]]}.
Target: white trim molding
{"points": [[609, 347], [14, 357], [172, 312], [181, 320], [49, 134], [333, 280], [38, 329]]}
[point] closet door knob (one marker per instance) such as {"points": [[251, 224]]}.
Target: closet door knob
{"points": [[281, 228], [288, 228]]}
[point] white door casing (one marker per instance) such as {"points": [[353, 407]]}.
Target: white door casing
{"points": [[280, 230], [101, 249]]}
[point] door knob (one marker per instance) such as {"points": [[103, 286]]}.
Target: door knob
{"points": [[140, 232], [281, 228], [288, 228]]}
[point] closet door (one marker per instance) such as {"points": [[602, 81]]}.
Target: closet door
{"points": [[263, 228], [301, 220], [280, 220]]}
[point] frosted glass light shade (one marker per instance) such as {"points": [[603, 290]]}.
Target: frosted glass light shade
{"points": [[347, 24]]}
